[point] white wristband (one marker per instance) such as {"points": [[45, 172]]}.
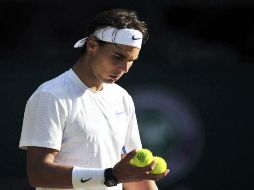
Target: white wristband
{"points": [[87, 177]]}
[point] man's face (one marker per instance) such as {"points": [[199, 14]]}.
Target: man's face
{"points": [[111, 61]]}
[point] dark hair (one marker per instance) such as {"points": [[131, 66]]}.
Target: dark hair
{"points": [[118, 18]]}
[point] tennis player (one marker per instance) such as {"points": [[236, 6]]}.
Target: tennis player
{"points": [[80, 129]]}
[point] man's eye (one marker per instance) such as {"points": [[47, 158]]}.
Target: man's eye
{"points": [[116, 57]]}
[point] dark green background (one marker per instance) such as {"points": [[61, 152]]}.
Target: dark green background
{"points": [[203, 50]]}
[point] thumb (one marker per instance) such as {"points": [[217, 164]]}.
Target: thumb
{"points": [[130, 155]]}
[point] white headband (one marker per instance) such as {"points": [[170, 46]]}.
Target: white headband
{"points": [[123, 36]]}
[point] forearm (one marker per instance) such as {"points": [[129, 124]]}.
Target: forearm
{"points": [[142, 185], [43, 171], [51, 175]]}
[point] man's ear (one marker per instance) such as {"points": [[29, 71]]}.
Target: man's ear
{"points": [[91, 45]]}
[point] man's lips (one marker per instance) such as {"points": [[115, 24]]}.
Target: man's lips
{"points": [[115, 77]]}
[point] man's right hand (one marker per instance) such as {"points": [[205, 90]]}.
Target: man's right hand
{"points": [[125, 172]]}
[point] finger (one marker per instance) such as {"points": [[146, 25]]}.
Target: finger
{"points": [[153, 164], [132, 180], [162, 174], [166, 172], [149, 167], [130, 155], [156, 177], [147, 176]]}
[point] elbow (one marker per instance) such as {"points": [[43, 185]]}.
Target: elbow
{"points": [[32, 182], [33, 178]]}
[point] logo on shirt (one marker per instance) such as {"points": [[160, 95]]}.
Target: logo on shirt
{"points": [[84, 180], [120, 113]]}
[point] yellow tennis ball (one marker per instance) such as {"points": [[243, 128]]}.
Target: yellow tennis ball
{"points": [[142, 158], [160, 167]]}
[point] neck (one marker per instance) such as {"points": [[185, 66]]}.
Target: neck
{"points": [[84, 72]]}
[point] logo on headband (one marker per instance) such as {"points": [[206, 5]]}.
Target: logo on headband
{"points": [[133, 37], [118, 36]]}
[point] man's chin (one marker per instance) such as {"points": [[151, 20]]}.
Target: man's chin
{"points": [[109, 81]]}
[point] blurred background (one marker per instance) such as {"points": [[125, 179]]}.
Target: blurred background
{"points": [[192, 85]]}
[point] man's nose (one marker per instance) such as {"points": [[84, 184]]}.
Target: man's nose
{"points": [[125, 66]]}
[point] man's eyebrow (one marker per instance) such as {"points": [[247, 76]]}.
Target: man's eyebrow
{"points": [[122, 56], [119, 54]]}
